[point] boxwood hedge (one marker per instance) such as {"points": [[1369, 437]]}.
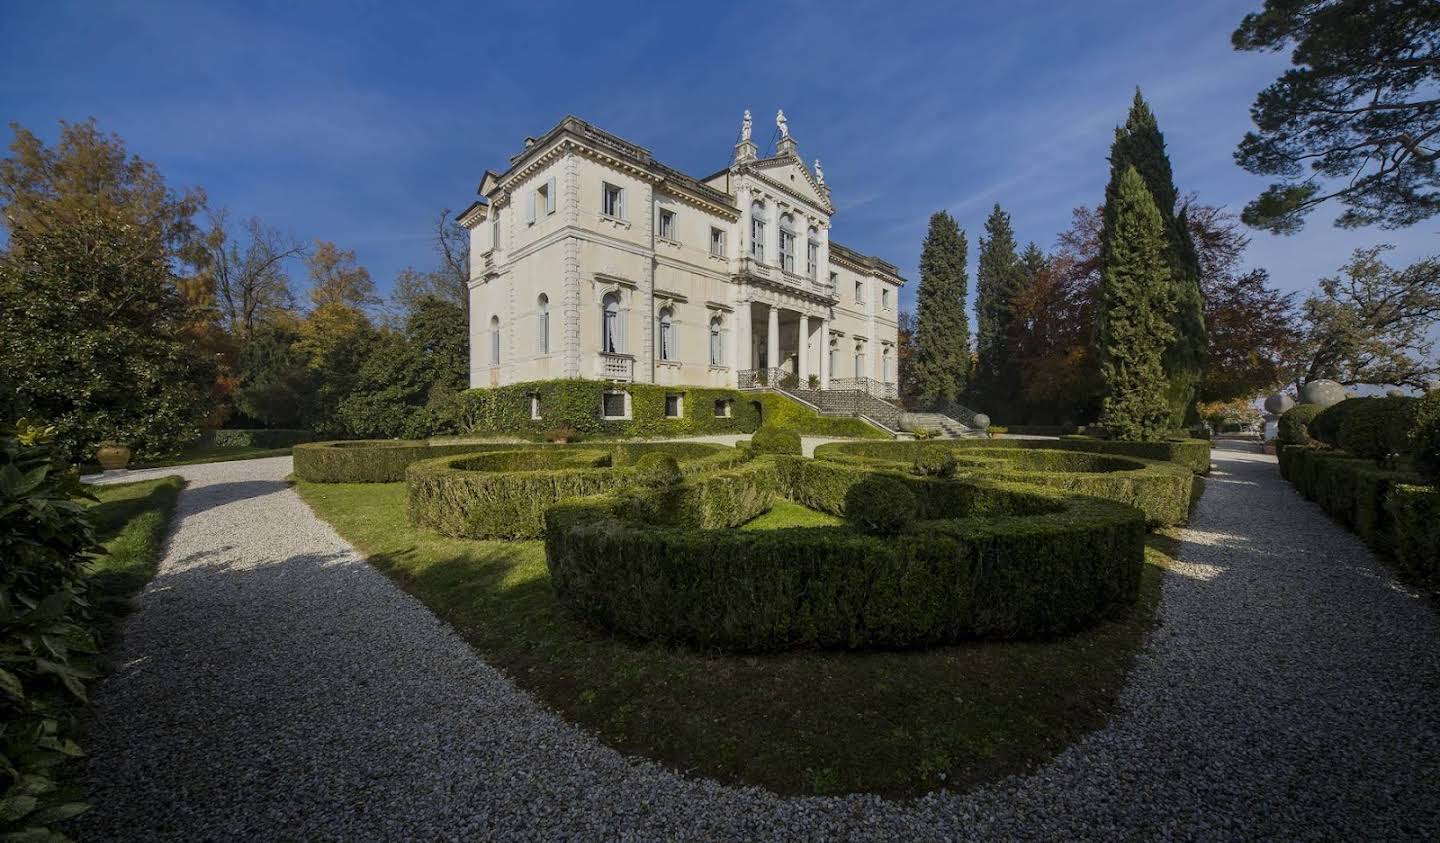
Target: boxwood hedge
{"points": [[1414, 513], [1194, 454], [994, 560], [1162, 490], [503, 494], [376, 460]]}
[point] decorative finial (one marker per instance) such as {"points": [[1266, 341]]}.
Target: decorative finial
{"points": [[819, 174], [782, 125], [745, 128]]}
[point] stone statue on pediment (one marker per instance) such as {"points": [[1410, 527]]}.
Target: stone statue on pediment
{"points": [[745, 128], [782, 124], [819, 173]]}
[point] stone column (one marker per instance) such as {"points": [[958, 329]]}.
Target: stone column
{"points": [[772, 339], [740, 347], [824, 341], [802, 354]]}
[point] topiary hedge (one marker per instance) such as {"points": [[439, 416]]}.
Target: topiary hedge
{"points": [[1351, 489], [1325, 427], [1002, 561], [1194, 454], [504, 494], [376, 460], [1294, 425], [1378, 428], [1163, 491], [254, 438], [1414, 513], [774, 440]]}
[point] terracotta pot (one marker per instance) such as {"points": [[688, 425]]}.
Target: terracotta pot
{"points": [[113, 457]]}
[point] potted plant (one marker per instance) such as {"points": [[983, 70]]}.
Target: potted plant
{"points": [[814, 382], [112, 455], [560, 435]]}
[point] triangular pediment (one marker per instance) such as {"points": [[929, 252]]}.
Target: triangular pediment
{"points": [[791, 173]]}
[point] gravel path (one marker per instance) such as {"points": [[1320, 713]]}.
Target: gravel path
{"points": [[274, 686]]}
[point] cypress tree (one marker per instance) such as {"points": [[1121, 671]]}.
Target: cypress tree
{"points": [[1139, 143], [1135, 312], [999, 275], [942, 335]]}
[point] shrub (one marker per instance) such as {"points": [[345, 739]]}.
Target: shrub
{"points": [[774, 440], [1424, 438], [46, 542], [1163, 491], [1377, 428], [1415, 519], [1005, 561], [880, 505], [1351, 489], [1327, 423], [1194, 454], [782, 411], [373, 461], [1294, 425], [504, 494], [254, 438], [657, 469], [934, 462]]}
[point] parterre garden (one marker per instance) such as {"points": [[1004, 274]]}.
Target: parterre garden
{"points": [[888, 616]]}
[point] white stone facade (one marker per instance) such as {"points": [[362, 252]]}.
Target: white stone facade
{"points": [[590, 259]]}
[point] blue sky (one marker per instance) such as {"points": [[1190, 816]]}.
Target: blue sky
{"points": [[356, 122]]}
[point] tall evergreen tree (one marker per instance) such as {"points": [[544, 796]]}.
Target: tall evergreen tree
{"points": [[999, 277], [1135, 312], [942, 334], [1139, 143]]}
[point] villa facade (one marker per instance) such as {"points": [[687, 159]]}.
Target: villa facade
{"points": [[591, 259]]}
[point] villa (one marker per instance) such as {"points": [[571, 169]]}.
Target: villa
{"points": [[591, 259]]}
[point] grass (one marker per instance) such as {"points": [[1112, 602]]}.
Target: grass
{"points": [[198, 455], [896, 723], [790, 514], [130, 520]]}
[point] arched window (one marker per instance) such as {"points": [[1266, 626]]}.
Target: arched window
{"points": [[812, 255], [494, 340], [834, 358], [717, 343], [667, 334], [859, 360], [542, 324], [787, 243], [757, 230], [611, 331]]}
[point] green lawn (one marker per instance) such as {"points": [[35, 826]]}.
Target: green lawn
{"points": [[790, 514], [198, 455], [805, 722], [131, 520]]}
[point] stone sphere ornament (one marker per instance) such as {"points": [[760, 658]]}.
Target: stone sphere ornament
{"points": [[981, 422], [1277, 404], [1323, 392]]}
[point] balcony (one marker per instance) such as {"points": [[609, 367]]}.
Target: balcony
{"points": [[869, 386], [615, 367]]}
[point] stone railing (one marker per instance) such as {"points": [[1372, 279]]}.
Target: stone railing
{"points": [[869, 386], [775, 378], [616, 367]]}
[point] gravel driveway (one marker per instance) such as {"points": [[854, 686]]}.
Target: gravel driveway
{"points": [[273, 686]]}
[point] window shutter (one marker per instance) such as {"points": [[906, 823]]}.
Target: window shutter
{"points": [[550, 195], [620, 209], [530, 206]]}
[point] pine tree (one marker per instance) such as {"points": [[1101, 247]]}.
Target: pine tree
{"points": [[999, 276], [942, 342], [1135, 312], [1139, 143]]}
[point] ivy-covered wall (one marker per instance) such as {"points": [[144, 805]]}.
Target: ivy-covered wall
{"points": [[507, 410]]}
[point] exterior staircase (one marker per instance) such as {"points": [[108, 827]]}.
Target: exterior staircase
{"points": [[944, 427]]}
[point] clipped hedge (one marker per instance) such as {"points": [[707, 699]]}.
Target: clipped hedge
{"points": [[1163, 491], [1002, 561], [1350, 489], [503, 494], [1424, 438], [1194, 454], [254, 438], [1415, 523], [1294, 425], [774, 440], [376, 460], [1327, 423]]}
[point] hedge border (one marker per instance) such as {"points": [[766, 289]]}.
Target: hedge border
{"points": [[1006, 560], [1162, 490], [1194, 454], [378, 460], [459, 496], [253, 438]]}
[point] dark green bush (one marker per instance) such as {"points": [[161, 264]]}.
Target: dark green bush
{"points": [[880, 505], [1162, 490], [657, 469], [1325, 427], [254, 438], [1194, 454], [774, 440], [1415, 518], [1377, 428], [1005, 561], [934, 462], [1294, 425], [1351, 489], [46, 544], [504, 494], [1424, 438]]}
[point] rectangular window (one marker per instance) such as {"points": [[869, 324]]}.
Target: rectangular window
{"points": [[667, 224], [615, 405], [612, 201], [534, 408], [495, 231], [723, 408], [885, 299], [672, 406], [757, 239], [542, 199], [859, 291], [813, 260], [787, 251], [717, 242], [550, 195]]}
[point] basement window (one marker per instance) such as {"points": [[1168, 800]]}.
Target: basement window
{"points": [[615, 405], [724, 408], [673, 406]]}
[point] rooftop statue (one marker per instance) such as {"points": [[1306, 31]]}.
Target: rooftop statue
{"points": [[782, 125], [745, 128]]}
